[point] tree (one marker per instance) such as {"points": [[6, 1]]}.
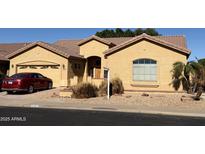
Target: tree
{"points": [[199, 73], [139, 31], [129, 33], [190, 75], [118, 32], [151, 31], [105, 33], [181, 75]]}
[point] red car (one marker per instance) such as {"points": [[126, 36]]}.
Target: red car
{"points": [[28, 82]]}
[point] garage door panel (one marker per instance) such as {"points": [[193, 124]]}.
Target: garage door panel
{"points": [[52, 72]]}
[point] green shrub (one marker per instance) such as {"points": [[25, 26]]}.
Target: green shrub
{"points": [[84, 90], [116, 86]]}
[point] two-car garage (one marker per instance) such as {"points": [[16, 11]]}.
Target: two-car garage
{"points": [[50, 71], [41, 58]]}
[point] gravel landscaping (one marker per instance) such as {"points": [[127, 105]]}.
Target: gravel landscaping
{"points": [[166, 102]]}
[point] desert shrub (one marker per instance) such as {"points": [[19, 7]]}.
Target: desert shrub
{"points": [[116, 86], [84, 90], [103, 88]]}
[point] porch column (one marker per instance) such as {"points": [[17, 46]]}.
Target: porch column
{"points": [[85, 71]]}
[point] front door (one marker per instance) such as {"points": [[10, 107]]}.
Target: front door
{"points": [[97, 73]]}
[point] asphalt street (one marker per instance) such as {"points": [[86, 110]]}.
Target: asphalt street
{"points": [[17, 116]]}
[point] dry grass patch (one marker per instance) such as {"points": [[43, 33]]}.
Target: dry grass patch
{"points": [[84, 90], [116, 87]]}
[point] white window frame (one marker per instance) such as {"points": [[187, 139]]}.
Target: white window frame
{"points": [[144, 75]]}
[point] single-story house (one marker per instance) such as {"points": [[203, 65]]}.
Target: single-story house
{"points": [[142, 62]]}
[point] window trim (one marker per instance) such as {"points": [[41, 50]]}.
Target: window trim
{"points": [[145, 80]]}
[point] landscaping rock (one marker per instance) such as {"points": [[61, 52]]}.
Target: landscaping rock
{"points": [[186, 99], [128, 96], [144, 94]]}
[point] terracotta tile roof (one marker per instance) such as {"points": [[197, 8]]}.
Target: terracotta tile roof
{"points": [[162, 40], [93, 37], [71, 47], [52, 47], [7, 48], [177, 40], [118, 40]]}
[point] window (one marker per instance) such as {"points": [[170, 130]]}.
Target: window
{"points": [[33, 67], [105, 74], [44, 67], [34, 76], [54, 67], [145, 70], [19, 76], [40, 76], [22, 67], [77, 66]]}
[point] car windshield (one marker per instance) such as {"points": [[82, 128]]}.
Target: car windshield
{"points": [[19, 76]]}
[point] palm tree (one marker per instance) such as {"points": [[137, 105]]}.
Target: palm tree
{"points": [[181, 75], [194, 71], [199, 76]]}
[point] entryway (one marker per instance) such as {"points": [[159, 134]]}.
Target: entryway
{"points": [[94, 67]]}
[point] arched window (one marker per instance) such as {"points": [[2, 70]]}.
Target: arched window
{"points": [[144, 70]]}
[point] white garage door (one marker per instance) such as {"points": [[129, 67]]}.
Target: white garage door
{"points": [[50, 71]]}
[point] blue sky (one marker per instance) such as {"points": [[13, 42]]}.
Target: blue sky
{"points": [[195, 37]]}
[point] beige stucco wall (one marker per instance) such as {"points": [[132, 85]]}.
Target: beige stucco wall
{"points": [[76, 72], [41, 56], [94, 48], [120, 64]]}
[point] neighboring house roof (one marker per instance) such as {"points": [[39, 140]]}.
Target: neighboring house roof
{"points": [[176, 40], [52, 47], [93, 37], [161, 40], [71, 45], [7, 48]]}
